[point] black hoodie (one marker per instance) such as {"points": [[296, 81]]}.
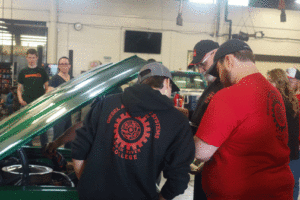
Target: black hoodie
{"points": [[127, 140]]}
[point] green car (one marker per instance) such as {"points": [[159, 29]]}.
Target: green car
{"points": [[25, 173]]}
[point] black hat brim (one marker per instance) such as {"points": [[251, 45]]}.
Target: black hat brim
{"points": [[175, 88], [213, 70]]}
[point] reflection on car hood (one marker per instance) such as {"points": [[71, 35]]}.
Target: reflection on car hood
{"points": [[37, 117]]}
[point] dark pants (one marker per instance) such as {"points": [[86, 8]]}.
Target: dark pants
{"points": [[198, 191], [294, 165], [60, 128]]}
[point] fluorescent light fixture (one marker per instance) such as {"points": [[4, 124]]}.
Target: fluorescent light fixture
{"points": [[180, 81], [4, 27], [238, 2], [2, 22], [203, 1], [199, 80], [33, 37]]}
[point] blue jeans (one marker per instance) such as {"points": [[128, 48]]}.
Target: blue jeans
{"points": [[60, 128], [295, 167]]}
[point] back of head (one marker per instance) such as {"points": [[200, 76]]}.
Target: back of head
{"points": [[280, 79], [153, 74]]}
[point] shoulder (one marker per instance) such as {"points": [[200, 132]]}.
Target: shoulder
{"points": [[99, 100], [24, 70], [55, 77], [41, 69]]}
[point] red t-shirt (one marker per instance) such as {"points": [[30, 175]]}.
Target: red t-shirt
{"points": [[298, 97], [247, 121]]}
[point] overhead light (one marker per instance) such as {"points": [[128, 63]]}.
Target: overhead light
{"points": [[298, 1], [2, 22], [3, 27]]}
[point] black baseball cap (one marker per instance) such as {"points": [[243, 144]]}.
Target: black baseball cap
{"points": [[226, 48], [200, 49], [156, 69]]}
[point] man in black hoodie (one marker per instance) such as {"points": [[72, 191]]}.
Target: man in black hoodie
{"points": [[128, 139]]}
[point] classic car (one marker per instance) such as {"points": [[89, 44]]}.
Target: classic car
{"points": [[25, 172]]}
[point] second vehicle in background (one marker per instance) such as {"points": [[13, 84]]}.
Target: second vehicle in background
{"points": [[191, 84]]}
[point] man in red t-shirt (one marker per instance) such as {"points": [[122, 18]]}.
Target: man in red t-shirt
{"points": [[243, 134]]}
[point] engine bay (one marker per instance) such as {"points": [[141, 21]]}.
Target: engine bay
{"points": [[27, 168]]}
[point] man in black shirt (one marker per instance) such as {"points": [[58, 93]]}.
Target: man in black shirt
{"points": [[33, 80], [204, 52], [32, 83]]}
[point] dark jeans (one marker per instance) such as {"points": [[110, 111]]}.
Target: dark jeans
{"points": [[60, 128], [198, 191], [295, 167]]}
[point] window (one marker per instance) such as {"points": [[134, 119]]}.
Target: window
{"points": [[204, 1], [230, 2], [238, 2]]}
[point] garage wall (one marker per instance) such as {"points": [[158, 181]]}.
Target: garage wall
{"points": [[105, 21]]}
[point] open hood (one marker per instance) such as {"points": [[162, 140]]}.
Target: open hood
{"points": [[37, 117]]}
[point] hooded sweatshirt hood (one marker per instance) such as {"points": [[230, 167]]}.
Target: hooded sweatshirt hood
{"points": [[141, 98]]}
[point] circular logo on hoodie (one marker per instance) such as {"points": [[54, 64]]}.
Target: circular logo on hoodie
{"points": [[130, 129], [132, 133]]}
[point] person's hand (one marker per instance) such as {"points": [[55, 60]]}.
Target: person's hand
{"points": [[161, 197], [23, 103], [51, 147]]}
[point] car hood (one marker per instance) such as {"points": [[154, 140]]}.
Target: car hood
{"points": [[37, 117]]}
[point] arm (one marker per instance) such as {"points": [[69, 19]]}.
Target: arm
{"points": [[160, 197], [204, 151], [19, 92], [85, 135], [50, 89], [46, 85], [178, 158], [78, 167], [67, 136]]}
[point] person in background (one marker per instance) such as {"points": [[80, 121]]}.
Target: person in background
{"points": [[204, 52], [61, 77], [151, 60], [129, 138], [279, 79], [95, 63], [243, 135], [10, 100], [32, 83]]}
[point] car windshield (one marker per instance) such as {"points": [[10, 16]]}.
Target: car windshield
{"points": [[189, 81]]}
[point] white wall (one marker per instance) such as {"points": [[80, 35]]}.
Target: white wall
{"points": [[104, 23]]}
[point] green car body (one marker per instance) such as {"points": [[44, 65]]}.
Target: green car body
{"points": [[36, 118]]}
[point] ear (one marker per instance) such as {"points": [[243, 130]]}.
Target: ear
{"points": [[229, 61], [167, 82]]}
